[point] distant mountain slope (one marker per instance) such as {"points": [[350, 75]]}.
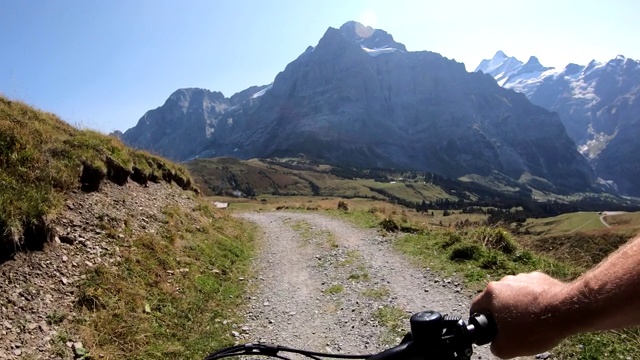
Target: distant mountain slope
{"points": [[596, 104], [183, 125], [360, 98]]}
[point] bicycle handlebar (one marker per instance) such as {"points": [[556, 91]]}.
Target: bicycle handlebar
{"points": [[432, 335], [441, 337]]}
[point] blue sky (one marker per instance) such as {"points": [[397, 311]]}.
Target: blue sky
{"points": [[102, 64]]}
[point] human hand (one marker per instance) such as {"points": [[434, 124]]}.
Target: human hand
{"points": [[527, 311]]}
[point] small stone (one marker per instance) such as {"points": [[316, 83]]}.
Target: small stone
{"points": [[245, 328], [292, 313], [235, 334], [67, 239], [32, 326], [79, 350], [544, 355], [65, 258], [64, 280], [266, 303], [17, 352]]}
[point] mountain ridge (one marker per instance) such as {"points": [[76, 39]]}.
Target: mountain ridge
{"points": [[590, 100], [373, 104]]}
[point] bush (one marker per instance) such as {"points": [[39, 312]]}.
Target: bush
{"points": [[523, 257], [450, 239], [497, 239], [389, 225], [493, 261], [343, 206], [465, 251]]}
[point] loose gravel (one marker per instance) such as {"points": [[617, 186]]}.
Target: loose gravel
{"points": [[320, 283]]}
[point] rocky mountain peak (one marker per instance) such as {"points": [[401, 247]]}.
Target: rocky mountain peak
{"points": [[572, 69], [369, 37], [596, 104], [532, 65], [533, 61]]}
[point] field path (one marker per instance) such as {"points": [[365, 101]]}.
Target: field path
{"points": [[323, 284], [609, 213]]}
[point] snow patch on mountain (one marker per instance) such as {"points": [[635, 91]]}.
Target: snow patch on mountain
{"points": [[262, 92], [378, 51]]}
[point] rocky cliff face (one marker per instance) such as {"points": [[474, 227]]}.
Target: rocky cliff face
{"points": [[184, 124], [360, 98], [594, 103]]}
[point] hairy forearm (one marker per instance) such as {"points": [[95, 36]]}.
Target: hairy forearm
{"points": [[534, 312], [606, 297]]}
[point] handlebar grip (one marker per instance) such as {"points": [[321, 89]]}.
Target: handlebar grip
{"points": [[484, 328], [404, 351]]}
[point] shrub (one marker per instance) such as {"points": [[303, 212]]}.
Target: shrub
{"points": [[493, 261], [343, 206], [450, 239], [497, 239], [523, 257], [465, 251], [389, 225]]}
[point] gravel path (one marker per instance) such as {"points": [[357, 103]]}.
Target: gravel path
{"points": [[322, 284]]}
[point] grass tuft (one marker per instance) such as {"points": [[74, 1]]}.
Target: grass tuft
{"points": [[334, 289], [393, 320]]}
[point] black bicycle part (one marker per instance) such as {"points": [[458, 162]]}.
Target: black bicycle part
{"points": [[432, 336]]}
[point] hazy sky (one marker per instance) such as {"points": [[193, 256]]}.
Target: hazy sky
{"points": [[103, 64]]}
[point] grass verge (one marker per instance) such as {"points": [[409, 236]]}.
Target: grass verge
{"points": [[481, 254], [174, 295], [394, 321]]}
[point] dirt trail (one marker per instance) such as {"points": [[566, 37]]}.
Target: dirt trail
{"points": [[609, 213], [322, 284]]}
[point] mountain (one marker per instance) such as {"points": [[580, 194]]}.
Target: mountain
{"points": [[360, 98], [596, 103], [184, 124]]}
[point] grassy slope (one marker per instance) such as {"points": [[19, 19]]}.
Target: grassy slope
{"points": [[221, 175], [175, 293], [42, 157], [565, 224]]}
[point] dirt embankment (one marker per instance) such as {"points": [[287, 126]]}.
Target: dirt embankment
{"points": [[38, 290]]}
